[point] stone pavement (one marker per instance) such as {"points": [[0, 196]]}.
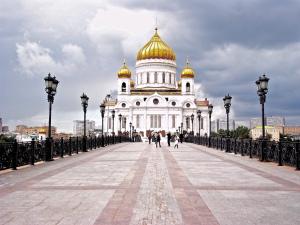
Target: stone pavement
{"points": [[135, 183]]}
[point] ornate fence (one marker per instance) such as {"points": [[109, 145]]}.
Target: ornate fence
{"points": [[16, 154], [282, 152]]}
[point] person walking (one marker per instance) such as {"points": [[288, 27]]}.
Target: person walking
{"points": [[149, 138], [181, 137], [176, 141], [169, 139], [158, 140]]}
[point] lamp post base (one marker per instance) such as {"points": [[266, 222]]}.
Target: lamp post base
{"points": [[48, 150], [84, 149], [102, 141], [227, 145]]}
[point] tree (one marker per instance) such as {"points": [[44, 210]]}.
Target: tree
{"points": [[4, 138], [241, 132]]}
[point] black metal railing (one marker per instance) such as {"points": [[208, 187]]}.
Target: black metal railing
{"points": [[15, 154], [281, 152]]}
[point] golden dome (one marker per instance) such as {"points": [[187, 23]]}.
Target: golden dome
{"points": [[124, 72], [179, 83], [156, 48], [187, 72], [132, 83]]}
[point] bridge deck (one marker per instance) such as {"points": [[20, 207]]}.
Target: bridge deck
{"points": [[139, 184]]}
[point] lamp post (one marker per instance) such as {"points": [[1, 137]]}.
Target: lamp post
{"points": [[181, 127], [187, 123], [84, 103], [262, 90], [227, 104], [192, 120], [130, 124], [210, 110], [51, 86], [199, 122], [132, 134], [179, 130], [113, 113], [125, 123], [120, 121], [102, 110], [107, 99]]}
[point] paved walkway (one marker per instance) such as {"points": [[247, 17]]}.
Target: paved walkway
{"points": [[131, 184]]}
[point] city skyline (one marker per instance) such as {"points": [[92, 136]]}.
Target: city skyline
{"points": [[84, 43]]}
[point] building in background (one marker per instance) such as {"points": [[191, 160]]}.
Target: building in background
{"points": [[274, 121], [5, 129], [218, 124], [244, 123], [0, 125], [39, 130], [78, 126], [62, 135], [274, 132]]}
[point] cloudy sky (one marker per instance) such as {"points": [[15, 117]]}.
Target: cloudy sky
{"points": [[83, 42]]}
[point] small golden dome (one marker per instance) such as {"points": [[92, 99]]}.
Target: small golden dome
{"points": [[179, 83], [187, 72], [132, 83], [124, 72], [156, 48]]}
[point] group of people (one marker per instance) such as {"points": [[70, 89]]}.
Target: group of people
{"points": [[156, 137]]}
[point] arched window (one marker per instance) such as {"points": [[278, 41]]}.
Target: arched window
{"points": [[155, 77], [148, 78], [123, 87], [164, 78], [188, 87]]}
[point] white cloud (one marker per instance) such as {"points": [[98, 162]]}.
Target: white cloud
{"points": [[36, 60], [33, 58]]}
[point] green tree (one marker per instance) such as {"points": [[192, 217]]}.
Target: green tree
{"points": [[4, 138], [241, 132]]}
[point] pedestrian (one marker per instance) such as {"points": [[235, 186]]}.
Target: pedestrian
{"points": [[176, 141], [169, 139], [181, 137], [149, 138], [155, 139], [158, 140]]}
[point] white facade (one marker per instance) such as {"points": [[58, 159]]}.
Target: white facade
{"points": [[78, 127], [154, 100]]}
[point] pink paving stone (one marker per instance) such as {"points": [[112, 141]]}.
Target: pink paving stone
{"points": [[137, 184]]}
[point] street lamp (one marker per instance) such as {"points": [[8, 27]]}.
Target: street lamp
{"points": [[106, 100], [120, 120], [210, 110], [130, 124], [51, 86], [227, 104], [102, 110], [187, 123], [113, 113], [262, 90], [132, 134], [125, 123], [192, 120], [84, 103], [199, 122], [181, 127]]}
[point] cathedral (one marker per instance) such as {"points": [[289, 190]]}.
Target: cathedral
{"points": [[155, 98]]}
